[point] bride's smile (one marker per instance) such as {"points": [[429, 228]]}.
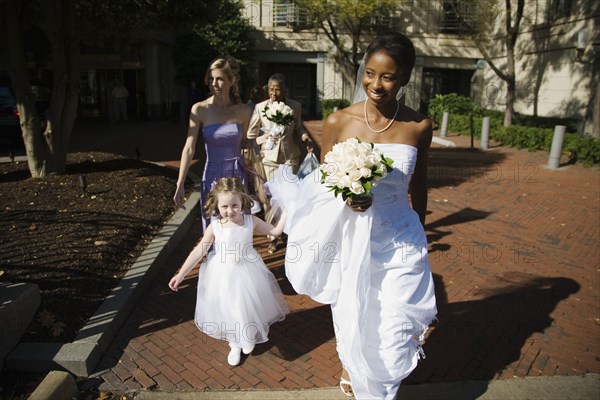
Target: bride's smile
{"points": [[381, 78]]}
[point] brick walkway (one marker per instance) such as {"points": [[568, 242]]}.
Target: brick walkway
{"points": [[514, 252]]}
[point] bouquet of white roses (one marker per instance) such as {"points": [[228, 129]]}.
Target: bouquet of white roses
{"points": [[353, 167], [281, 115]]}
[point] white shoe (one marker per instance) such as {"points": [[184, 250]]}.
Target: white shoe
{"points": [[234, 356], [248, 350]]}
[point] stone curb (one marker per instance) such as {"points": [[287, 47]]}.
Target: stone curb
{"points": [[16, 159], [443, 142], [81, 356], [57, 385], [543, 387], [18, 304]]}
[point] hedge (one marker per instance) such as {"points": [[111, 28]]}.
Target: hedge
{"points": [[529, 132], [328, 105], [453, 104]]}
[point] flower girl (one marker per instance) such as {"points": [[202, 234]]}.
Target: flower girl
{"points": [[238, 297]]}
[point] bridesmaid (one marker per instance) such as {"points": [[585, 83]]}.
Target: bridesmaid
{"points": [[222, 119]]}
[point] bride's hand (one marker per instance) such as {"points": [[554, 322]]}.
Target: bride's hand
{"points": [[360, 204]]}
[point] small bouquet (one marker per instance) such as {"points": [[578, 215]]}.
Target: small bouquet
{"points": [[281, 115], [353, 167]]}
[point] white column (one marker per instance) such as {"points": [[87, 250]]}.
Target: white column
{"points": [[556, 148], [485, 133]]}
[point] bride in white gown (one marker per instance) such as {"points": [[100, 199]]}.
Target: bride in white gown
{"points": [[369, 259]]}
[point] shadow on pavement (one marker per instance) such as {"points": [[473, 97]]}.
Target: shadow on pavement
{"points": [[477, 340], [452, 166], [299, 334], [434, 233]]}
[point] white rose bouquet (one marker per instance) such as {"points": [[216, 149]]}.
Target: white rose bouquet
{"points": [[281, 115], [353, 167]]}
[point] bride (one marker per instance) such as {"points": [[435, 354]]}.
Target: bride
{"points": [[373, 267]]}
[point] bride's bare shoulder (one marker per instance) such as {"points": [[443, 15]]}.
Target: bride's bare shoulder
{"points": [[419, 125], [344, 116]]}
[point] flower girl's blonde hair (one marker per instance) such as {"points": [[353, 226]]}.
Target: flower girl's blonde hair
{"points": [[226, 185]]}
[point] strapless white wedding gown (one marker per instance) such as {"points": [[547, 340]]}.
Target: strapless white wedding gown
{"points": [[372, 268]]}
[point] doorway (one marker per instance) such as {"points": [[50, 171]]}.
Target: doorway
{"points": [[444, 81], [301, 82]]}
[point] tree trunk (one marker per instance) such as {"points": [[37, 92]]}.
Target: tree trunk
{"points": [[29, 119], [509, 112], [512, 32], [46, 150], [510, 82], [65, 81], [596, 113]]}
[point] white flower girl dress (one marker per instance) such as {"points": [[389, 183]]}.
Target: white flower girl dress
{"points": [[238, 297]]}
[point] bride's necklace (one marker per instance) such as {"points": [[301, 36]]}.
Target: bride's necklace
{"points": [[388, 125]]}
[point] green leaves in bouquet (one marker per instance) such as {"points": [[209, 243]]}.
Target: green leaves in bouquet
{"points": [[367, 183], [279, 117]]}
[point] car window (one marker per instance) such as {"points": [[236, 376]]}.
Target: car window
{"points": [[6, 97]]}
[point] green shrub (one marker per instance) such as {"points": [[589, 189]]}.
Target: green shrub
{"points": [[496, 117], [585, 149], [329, 104], [461, 124], [531, 120], [524, 137], [545, 122], [529, 132], [452, 103]]}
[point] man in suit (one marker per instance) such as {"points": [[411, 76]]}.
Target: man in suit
{"points": [[286, 148]]}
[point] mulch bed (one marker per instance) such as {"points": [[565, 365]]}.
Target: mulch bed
{"points": [[76, 244]]}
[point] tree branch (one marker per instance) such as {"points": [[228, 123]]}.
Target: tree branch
{"points": [[489, 60]]}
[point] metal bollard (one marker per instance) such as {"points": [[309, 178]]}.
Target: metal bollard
{"points": [[556, 148], [485, 133], [444, 130]]}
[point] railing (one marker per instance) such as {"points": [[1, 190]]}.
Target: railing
{"points": [[291, 15], [458, 17], [449, 16]]}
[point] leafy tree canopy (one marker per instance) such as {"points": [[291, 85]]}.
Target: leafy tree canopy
{"points": [[229, 35], [52, 31], [353, 18]]}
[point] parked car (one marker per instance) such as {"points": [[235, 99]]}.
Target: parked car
{"points": [[10, 128]]}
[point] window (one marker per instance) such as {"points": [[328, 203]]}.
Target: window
{"points": [[383, 21], [559, 9], [444, 81], [286, 13], [457, 17]]}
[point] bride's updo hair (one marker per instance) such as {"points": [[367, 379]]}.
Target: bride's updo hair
{"points": [[398, 47], [226, 185], [231, 67]]}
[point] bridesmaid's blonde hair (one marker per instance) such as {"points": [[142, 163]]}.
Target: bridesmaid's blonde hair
{"points": [[231, 67], [226, 185]]}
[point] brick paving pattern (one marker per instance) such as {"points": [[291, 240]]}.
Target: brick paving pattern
{"points": [[514, 252]]}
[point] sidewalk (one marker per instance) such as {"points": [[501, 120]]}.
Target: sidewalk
{"points": [[514, 251]]}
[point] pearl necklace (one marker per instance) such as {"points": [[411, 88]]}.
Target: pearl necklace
{"points": [[388, 125]]}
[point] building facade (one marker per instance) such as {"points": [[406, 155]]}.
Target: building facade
{"points": [[144, 66], [557, 63], [556, 54]]}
